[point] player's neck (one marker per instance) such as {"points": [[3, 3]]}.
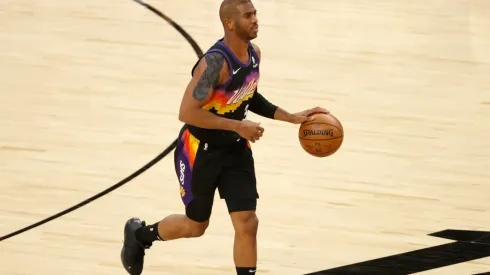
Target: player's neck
{"points": [[238, 46]]}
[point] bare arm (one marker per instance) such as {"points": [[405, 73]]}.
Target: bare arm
{"points": [[283, 115], [209, 72]]}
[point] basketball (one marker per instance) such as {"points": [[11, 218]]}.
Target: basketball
{"points": [[322, 136]]}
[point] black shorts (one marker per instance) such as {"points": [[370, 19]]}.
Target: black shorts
{"points": [[202, 167]]}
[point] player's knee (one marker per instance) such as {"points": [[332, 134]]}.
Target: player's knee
{"points": [[246, 223], [197, 229]]}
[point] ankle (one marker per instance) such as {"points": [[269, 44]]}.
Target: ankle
{"points": [[148, 234], [246, 270]]}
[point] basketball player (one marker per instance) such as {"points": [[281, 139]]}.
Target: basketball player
{"points": [[213, 150]]}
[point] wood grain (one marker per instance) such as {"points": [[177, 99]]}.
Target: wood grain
{"points": [[90, 90]]}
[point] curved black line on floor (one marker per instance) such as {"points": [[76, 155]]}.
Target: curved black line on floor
{"points": [[169, 149]]}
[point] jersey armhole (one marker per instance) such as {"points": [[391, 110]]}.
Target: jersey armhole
{"points": [[253, 51]]}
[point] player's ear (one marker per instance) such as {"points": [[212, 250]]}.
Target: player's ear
{"points": [[230, 24]]}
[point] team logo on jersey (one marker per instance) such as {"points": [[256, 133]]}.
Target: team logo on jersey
{"points": [[243, 92], [254, 64]]}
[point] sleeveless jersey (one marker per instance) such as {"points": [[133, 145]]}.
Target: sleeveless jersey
{"points": [[231, 99]]}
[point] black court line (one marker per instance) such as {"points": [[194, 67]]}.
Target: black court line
{"points": [[169, 149], [468, 246]]}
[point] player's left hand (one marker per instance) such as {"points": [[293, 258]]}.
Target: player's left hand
{"points": [[307, 115]]}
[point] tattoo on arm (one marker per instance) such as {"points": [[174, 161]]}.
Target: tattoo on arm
{"points": [[210, 76]]}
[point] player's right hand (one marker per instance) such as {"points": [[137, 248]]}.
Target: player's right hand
{"points": [[250, 130]]}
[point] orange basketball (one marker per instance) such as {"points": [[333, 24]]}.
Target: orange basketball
{"points": [[322, 136]]}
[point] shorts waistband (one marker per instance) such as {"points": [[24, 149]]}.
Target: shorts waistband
{"points": [[214, 137]]}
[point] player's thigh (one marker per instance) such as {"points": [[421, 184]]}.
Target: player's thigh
{"points": [[238, 184], [197, 171], [199, 209]]}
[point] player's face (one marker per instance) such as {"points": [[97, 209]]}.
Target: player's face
{"points": [[247, 24]]}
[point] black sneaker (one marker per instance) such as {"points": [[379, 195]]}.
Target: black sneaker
{"points": [[133, 252]]}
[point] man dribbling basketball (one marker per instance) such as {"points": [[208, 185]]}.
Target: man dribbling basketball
{"points": [[213, 150]]}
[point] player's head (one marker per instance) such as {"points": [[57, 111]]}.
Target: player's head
{"points": [[240, 18]]}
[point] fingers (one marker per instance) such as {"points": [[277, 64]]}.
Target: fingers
{"points": [[256, 132], [260, 129], [314, 111], [255, 138], [320, 110], [302, 119]]}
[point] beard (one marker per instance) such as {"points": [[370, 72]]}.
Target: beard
{"points": [[243, 33]]}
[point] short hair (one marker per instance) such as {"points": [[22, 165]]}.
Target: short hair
{"points": [[228, 8]]}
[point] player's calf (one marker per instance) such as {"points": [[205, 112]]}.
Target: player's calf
{"points": [[191, 225], [170, 228], [180, 226], [246, 225]]}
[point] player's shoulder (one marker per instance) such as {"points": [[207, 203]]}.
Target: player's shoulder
{"points": [[212, 59], [214, 63], [257, 49]]}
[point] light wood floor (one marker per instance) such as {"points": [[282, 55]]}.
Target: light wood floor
{"points": [[89, 93]]}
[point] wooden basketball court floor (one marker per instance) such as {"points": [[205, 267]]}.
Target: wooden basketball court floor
{"points": [[90, 92]]}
